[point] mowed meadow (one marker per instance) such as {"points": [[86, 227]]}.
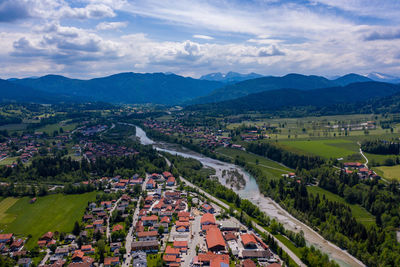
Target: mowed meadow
{"points": [[56, 212], [326, 148]]}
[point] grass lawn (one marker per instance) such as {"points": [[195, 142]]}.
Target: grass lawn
{"points": [[379, 159], [50, 213], [8, 161], [267, 165], [152, 259], [5, 204], [14, 127], [50, 128], [289, 244], [326, 148], [361, 214], [390, 172]]}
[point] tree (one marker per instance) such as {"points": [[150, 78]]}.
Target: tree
{"points": [[161, 230], [77, 229], [101, 248], [53, 247]]}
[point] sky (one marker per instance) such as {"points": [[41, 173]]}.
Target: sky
{"points": [[92, 38]]}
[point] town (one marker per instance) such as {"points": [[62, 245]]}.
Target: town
{"points": [[155, 216]]}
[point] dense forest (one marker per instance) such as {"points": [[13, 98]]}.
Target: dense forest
{"points": [[381, 147], [375, 245], [58, 169]]}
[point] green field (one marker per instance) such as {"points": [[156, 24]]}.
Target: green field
{"points": [[390, 172], [8, 161], [50, 128], [326, 148], [377, 160], [268, 166], [14, 127], [361, 214], [50, 213]]}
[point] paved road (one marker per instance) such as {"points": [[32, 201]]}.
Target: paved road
{"points": [[130, 237], [362, 154], [191, 253], [43, 262], [284, 248]]}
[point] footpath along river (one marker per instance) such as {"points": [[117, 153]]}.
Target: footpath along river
{"points": [[251, 192]]}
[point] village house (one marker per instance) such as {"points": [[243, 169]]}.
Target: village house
{"points": [[146, 246], [111, 261], [248, 241], [214, 239], [149, 220], [6, 238], [147, 236], [171, 181], [207, 208], [207, 219], [151, 184]]}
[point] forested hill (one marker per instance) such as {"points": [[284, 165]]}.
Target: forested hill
{"points": [[157, 88], [10, 92], [351, 78], [294, 81], [284, 99]]}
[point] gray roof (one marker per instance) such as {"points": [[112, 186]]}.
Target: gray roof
{"points": [[137, 244], [24, 260], [249, 253]]}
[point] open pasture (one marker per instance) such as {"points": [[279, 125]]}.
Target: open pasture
{"points": [[56, 212], [326, 148]]}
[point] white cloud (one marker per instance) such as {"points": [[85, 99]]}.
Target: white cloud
{"points": [[111, 25], [255, 36], [205, 37]]}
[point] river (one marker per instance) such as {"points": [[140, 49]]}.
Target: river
{"points": [[251, 192]]}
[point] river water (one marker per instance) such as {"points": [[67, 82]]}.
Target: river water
{"points": [[251, 192]]}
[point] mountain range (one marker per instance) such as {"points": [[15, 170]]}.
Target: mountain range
{"points": [[230, 77], [11, 92], [288, 98], [171, 89], [128, 88], [381, 77]]}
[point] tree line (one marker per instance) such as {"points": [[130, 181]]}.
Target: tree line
{"points": [[381, 147]]}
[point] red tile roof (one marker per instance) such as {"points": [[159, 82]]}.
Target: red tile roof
{"points": [[5, 236], [172, 251], [248, 239], [210, 257], [171, 179], [183, 219], [150, 218], [183, 214], [111, 260], [78, 254], [169, 258], [207, 218], [165, 219], [180, 244], [167, 174], [248, 263], [214, 238], [184, 224], [86, 247], [48, 235], [117, 227], [149, 233]]}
